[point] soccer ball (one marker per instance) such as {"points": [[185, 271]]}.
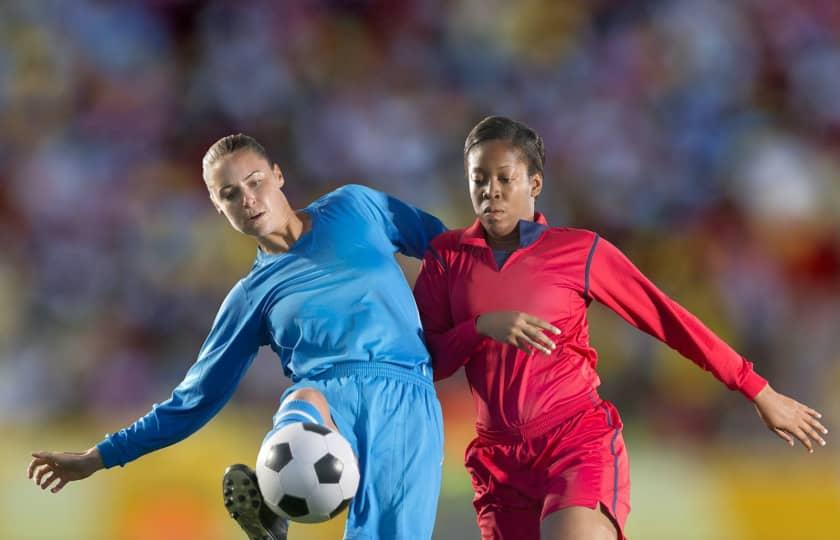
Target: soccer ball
{"points": [[307, 472]]}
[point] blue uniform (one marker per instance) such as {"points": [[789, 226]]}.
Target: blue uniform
{"points": [[338, 312]]}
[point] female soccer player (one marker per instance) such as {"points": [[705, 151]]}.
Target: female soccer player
{"points": [[507, 298], [327, 295]]}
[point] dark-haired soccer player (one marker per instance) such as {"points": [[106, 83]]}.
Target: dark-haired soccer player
{"points": [[507, 298], [326, 293]]}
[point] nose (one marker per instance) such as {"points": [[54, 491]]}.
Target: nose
{"points": [[494, 188], [248, 198]]}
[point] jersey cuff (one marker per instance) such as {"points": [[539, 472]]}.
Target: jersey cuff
{"points": [[111, 455], [753, 384]]}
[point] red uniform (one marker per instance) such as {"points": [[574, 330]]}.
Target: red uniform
{"points": [[546, 441]]}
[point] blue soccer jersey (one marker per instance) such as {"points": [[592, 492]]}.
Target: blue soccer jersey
{"points": [[338, 295]]}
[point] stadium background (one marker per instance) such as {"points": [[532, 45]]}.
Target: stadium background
{"points": [[701, 137]]}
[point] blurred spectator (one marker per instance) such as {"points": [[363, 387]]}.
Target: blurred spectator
{"points": [[699, 136]]}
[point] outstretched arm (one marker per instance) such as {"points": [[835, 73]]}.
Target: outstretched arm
{"points": [[615, 282], [59, 468], [226, 355]]}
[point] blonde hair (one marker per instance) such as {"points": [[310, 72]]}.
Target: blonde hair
{"points": [[228, 145]]}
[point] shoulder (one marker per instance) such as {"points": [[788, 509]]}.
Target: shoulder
{"points": [[572, 237], [239, 293], [354, 192], [447, 241], [351, 196]]}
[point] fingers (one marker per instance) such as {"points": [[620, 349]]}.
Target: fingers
{"points": [[538, 340], [784, 435], [545, 325], [811, 432], [803, 438], [817, 425], [32, 466], [808, 429], [58, 487], [812, 412], [38, 459], [527, 344], [49, 479], [43, 470]]}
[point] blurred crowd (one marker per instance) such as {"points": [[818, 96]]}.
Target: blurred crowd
{"points": [[701, 137]]}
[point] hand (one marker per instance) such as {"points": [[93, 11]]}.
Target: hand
{"points": [[788, 418], [519, 329], [49, 467]]}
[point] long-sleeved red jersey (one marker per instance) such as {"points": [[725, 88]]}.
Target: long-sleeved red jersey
{"points": [[554, 278]]}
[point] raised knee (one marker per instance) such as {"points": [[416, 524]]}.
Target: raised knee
{"points": [[308, 394], [317, 399]]}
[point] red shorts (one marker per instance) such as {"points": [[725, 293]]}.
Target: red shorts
{"points": [[579, 462]]}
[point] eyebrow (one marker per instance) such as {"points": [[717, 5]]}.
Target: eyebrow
{"points": [[246, 177], [505, 166]]}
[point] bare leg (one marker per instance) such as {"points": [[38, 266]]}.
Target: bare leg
{"points": [[578, 523], [317, 400]]}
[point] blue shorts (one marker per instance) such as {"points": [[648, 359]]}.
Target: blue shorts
{"points": [[391, 417]]}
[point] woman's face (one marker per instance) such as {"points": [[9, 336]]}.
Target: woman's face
{"points": [[502, 193], [246, 189]]}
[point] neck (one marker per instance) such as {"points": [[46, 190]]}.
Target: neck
{"points": [[282, 240], [507, 242]]}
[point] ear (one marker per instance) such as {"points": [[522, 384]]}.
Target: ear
{"points": [[536, 185], [279, 174]]}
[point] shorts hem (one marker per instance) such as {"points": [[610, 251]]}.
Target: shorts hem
{"points": [[588, 503]]}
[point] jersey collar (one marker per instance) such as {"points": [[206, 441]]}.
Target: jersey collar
{"points": [[529, 232]]}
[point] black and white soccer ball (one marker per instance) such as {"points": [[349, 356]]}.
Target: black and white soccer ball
{"points": [[307, 472]]}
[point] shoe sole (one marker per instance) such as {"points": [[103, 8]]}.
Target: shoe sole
{"points": [[243, 501]]}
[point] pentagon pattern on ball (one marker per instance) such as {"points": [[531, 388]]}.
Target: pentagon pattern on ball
{"points": [[317, 428], [307, 473], [294, 506], [328, 469], [278, 456], [308, 445]]}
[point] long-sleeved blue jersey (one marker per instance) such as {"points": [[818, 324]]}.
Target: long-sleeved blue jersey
{"points": [[337, 295]]}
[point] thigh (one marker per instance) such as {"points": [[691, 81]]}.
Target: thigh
{"points": [[399, 429], [579, 523]]}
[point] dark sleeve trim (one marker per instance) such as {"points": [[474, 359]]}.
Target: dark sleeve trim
{"points": [[437, 256], [589, 265]]}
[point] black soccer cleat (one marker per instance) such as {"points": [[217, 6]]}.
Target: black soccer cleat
{"points": [[245, 504]]}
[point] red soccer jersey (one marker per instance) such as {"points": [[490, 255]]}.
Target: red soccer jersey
{"points": [[554, 278]]}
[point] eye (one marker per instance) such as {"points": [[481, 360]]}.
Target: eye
{"points": [[255, 181], [504, 179], [478, 180], [228, 195]]}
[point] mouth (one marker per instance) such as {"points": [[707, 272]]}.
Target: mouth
{"points": [[490, 211], [257, 216]]}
